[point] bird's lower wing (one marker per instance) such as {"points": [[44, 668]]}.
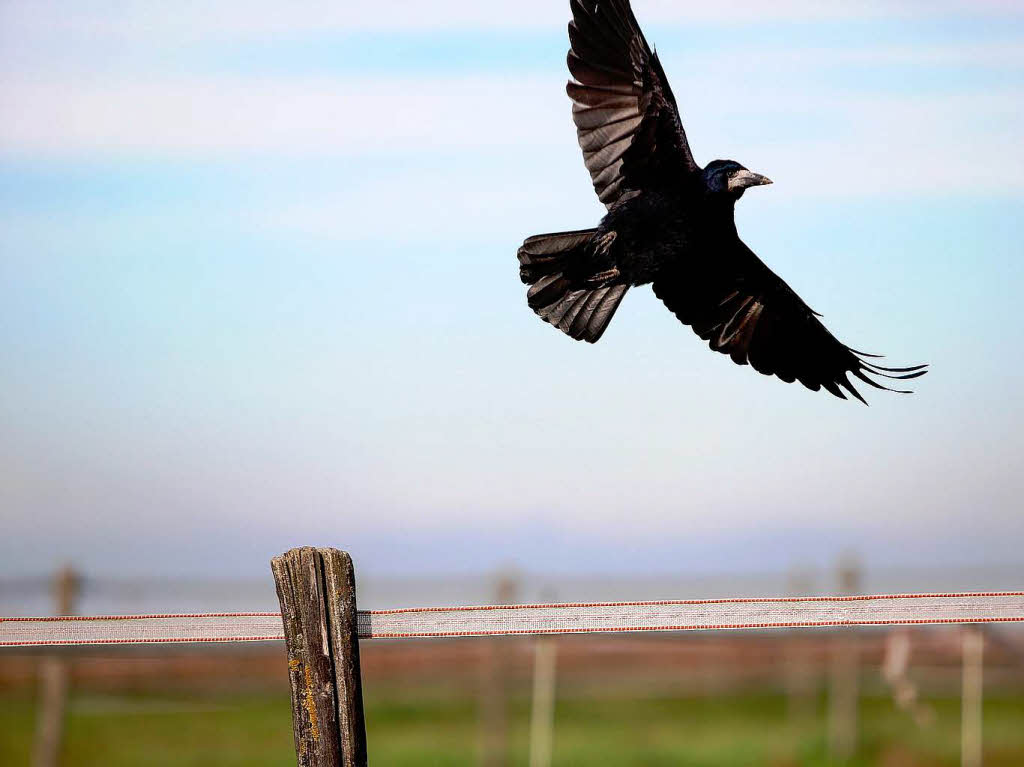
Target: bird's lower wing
{"points": [[743, 309]]}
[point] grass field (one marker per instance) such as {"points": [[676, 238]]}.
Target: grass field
{"points": [[422, 727]]}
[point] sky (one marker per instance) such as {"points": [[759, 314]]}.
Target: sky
{"points": [[258, 289]]}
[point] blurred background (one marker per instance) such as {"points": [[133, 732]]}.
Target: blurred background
{"points": [[258, 289]]}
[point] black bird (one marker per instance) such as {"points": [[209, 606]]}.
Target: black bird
{"points": [[670, 223]]}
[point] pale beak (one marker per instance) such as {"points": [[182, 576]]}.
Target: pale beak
{"points": [[743, 179]]}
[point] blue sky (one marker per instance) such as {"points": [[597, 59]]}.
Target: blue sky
{"points": [[258, 288]]}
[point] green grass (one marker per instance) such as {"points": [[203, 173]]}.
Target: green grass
{"points": [[406, 728]]}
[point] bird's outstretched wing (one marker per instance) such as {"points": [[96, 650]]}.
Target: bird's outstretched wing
{"points": [[625, 114], [745, 310]]}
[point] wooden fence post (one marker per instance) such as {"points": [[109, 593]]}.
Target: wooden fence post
{"points": [[317, 592], [55, 675]]}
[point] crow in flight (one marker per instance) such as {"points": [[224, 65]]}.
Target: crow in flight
{"points": [[670, 223]]}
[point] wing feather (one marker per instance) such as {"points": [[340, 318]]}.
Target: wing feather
{"points": [[619, 83], [743, 309], [609, 133]]}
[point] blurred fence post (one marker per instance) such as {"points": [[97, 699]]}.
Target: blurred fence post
{"points": [[800, 675], [493, 684], [542, 713], [55, 673], [895, 666], [971, 697], [843, 687], [317, 592]]}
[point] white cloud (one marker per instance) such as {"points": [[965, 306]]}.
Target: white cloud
{"points": [[233, 19], [303, 116], [899, 142], [773, 105]]}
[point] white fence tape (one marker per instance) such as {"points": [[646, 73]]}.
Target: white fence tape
{"points": [[140, 629], [493, 620]]}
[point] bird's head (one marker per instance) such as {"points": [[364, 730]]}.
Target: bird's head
{"points": [[728, 177]]}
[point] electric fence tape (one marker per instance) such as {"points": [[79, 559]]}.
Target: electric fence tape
{"points": [[496, 620]]}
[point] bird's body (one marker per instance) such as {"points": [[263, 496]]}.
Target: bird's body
{"points": [[669, 223], [660, 229], [652, 230]]}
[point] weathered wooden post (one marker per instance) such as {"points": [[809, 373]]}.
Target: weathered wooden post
{"points": [[317, 592]]}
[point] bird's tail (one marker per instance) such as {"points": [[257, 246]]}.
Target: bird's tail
{"points": [[552, 265]]}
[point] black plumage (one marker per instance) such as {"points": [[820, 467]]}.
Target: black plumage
{"points": [[670, 223]]}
